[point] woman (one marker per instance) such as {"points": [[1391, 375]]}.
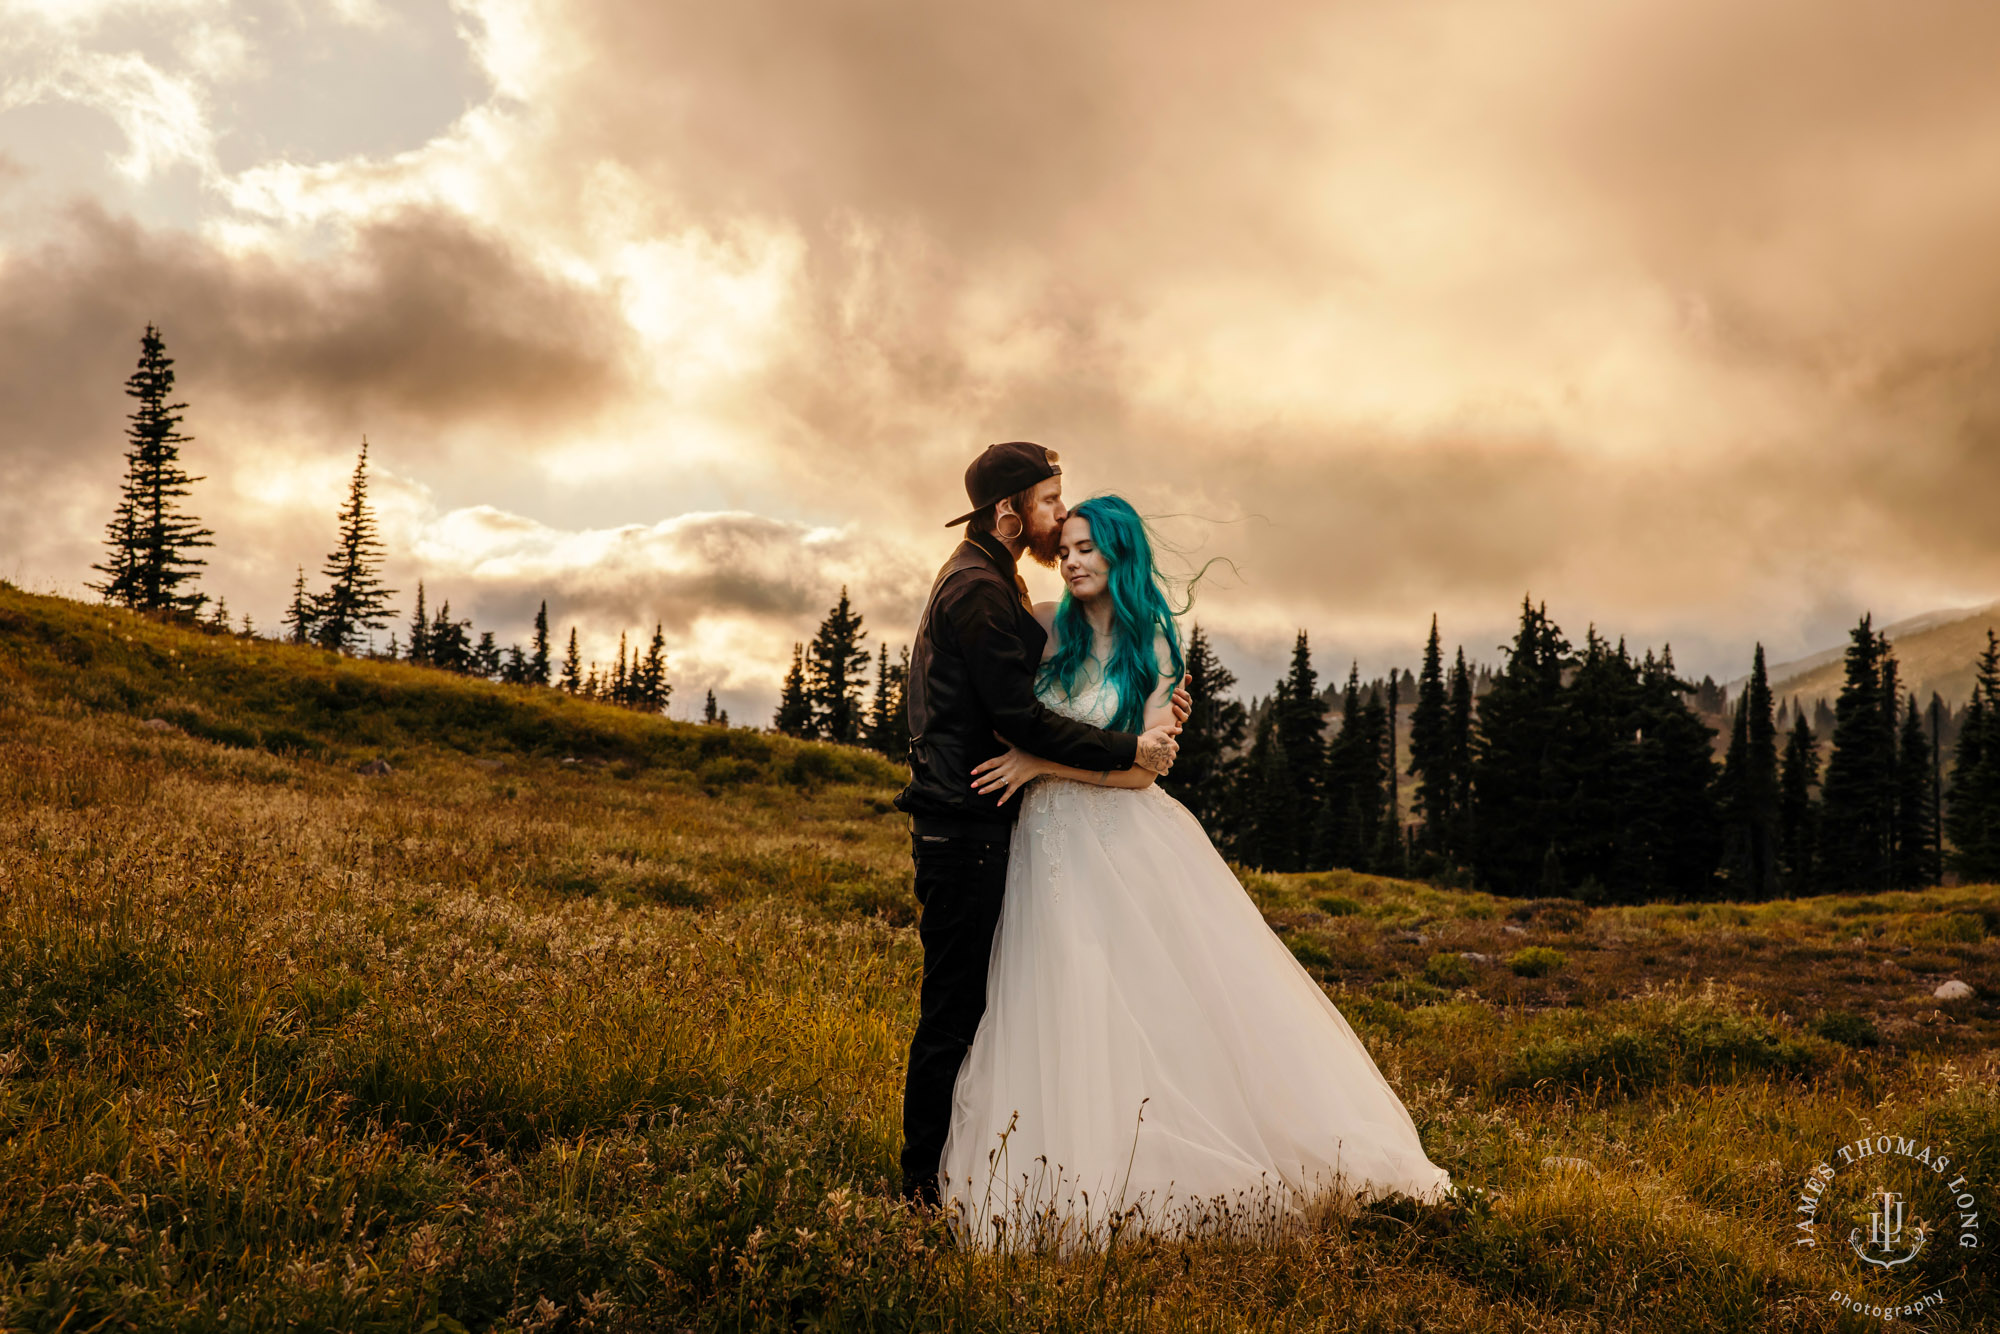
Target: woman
{"points": [[1151, 1056]]}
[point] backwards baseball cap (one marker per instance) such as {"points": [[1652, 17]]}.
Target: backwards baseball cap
{"points": [[1005, 470]]}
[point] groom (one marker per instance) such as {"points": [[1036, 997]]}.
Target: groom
{"points": [[972, 675]]}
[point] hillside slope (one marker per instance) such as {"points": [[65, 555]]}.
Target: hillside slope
{"points": [[257, 694], [1935, 651]]}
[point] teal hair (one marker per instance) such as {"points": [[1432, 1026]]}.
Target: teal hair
{"points": [[1140, 613]]}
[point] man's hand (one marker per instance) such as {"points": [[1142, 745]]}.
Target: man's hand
{"points": [[1157, 749], [1183, 704]]}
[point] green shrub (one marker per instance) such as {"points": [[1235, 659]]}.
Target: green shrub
{"points": [[1448, 970], [1408, 991], [1642, 1044], [1536, 961], [1335, 905], [1847, 1028], [1959, 928], [1308, 951]]}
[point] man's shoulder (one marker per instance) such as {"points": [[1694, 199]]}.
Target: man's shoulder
{"points": [[969, 575]]}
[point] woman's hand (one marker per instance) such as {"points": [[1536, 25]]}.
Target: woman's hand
{"points": [[1006, 774]]}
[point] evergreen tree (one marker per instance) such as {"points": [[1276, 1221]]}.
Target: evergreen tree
{"points": [[896, 743], [1599, 765], [1519, 783], [1673, 840], [795, 714], [708, 710], [1270, 837], [1858, 799], [835, 665], [572, 668], [514, 666], [1430, 744], [486, 656], [1301, 723], [1913, 803], [1798, 812], [889, 714], [420, 631], [1348, 822], [355, 599], [538, 665], [1750, 795], [1457, 843], [1973, 816], [1388, 857], [299, 616], [218, 620], [1934, 824], [450, 647], [879, 706], [1208, 766], [654, 691], [150, 542]]}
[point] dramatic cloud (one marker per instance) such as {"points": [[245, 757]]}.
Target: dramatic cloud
{"points": [[1683, 317]]}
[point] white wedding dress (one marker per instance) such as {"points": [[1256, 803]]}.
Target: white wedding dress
{"points": [[1130, 968]]}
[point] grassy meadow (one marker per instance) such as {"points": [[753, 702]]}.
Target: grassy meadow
{"points": [[578, 1020]]}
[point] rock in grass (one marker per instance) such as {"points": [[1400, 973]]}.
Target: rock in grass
{"points": [[1557, 1164], [1952, 990], [378, 765], [159, 725]]}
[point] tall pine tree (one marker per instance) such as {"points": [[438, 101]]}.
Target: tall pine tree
{"points": [[795, 713], [888, 714], [1269, 835], [538, 664], [1520, 783], [151, 541], [1858, 798], [1913, 802], [835, 665], [1207, 765], [450, 646], [652, 691], [1457, 843], [420, 631], [1972, 818], [300, 614], [1430, 764], [1301, 723], [1798, 810], [1750, 796], [355, 600], [572, 668]]}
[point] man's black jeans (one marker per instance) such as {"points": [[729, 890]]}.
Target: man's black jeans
{"points": [[960, 881]]}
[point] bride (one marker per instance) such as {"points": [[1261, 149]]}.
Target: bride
{"points": [[1151, 1058]]}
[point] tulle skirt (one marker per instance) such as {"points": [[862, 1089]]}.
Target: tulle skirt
{"points": [[1152, 1058]]}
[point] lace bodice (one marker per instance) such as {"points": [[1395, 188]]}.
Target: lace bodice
{"points": [[1095, 703]]}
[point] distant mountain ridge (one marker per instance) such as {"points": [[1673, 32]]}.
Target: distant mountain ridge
{"points": [[1934, 651]]}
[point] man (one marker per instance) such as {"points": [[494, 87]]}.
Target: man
{"points": [[972, 676]]}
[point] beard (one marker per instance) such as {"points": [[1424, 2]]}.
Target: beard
{"points": [[1043, 544]]}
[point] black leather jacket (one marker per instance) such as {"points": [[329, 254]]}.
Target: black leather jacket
{"points": [[972, 673]]}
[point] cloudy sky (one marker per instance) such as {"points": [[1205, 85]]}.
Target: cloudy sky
{"points": [[1682, 315]]}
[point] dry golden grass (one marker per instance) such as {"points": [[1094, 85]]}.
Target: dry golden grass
{"points": [[498, 1042]]}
